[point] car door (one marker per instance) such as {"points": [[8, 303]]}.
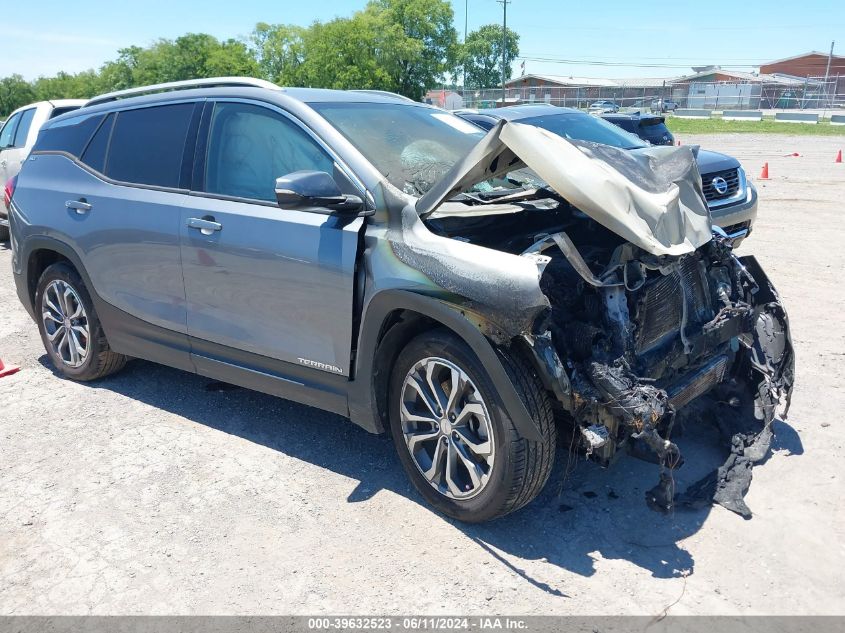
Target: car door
{"points": [[113, 186], [271, 282], [7, 144]]}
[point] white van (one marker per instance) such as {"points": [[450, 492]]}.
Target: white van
{"points": [[18, 136]]}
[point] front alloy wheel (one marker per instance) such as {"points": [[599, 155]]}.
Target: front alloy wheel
{"points": [[447, 428], [454, 438]]}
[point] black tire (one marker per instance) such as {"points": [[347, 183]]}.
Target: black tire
{"points": [[4, 233], [101, 360], [520, 468]]}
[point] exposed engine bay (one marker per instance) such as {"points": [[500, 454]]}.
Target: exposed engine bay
{"points": [[604, 266], [643, 343]]}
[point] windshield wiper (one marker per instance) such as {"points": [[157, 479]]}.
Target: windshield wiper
{"points": [[501, 195]]}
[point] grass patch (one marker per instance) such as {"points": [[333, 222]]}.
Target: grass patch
{"points": [[718, 126]]}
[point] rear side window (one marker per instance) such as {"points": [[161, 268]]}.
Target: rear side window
{"points": [[482, 122], [70, 135], [654, 130], [95, 154], [23, 127], [147, 145], [628, 125], [7, 136]]}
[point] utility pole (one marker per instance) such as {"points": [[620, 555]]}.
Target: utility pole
{"points": [[827, 73], [504, 4], [466, 21]]}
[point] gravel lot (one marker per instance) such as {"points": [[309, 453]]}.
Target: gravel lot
{"points": [[149, 493]]}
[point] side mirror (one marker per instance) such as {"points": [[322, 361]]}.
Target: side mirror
{"points": [[313, 191]]}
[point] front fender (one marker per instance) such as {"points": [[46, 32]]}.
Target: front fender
{"points": [[363, 399]]}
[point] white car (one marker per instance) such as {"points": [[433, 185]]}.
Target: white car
{"points": [[18, 136], [603, 107]]}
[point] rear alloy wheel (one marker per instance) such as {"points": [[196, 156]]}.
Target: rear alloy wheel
{"points": [[69, 327], [65, 323], [454, 438]]}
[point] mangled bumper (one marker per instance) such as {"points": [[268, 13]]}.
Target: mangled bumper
{"points": [[743, 375]]}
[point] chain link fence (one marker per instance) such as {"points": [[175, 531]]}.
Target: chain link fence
{"points": [[812, 93]]}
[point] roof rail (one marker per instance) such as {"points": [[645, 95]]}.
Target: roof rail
{"points": [[383, 93], [210, 82]]}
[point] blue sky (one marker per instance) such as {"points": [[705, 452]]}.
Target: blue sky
{"points": [[46, 36]]}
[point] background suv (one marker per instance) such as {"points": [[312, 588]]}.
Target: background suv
{"points": [[387, 261], [18, 136], [648, 127]]}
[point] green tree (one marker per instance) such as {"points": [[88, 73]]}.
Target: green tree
{"points": [[15, 92], [344, 53], [405, 46], [422, 49], [188, 56], [231, 59], [191, 56], [119, 74], [279, 50], [64, 85], [481, 56]]}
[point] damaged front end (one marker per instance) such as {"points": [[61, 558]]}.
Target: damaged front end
{"points": [[646, 320], [651, 343]]}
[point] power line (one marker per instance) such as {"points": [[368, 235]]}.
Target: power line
{"points": [[798, 68], [676, 28], [593, 62], [668, 58]]}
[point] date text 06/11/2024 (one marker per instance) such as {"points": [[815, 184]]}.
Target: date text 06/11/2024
{"points": [[361, 623]]}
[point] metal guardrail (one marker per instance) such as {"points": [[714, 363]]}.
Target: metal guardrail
{"points": [[797, 117], [742, 115], [691, 113], [837, 119]]}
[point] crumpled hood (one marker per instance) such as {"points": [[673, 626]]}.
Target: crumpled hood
{"points": [[652, 197]]}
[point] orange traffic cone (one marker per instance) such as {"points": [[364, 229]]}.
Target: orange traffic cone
{"points": [[764, 175], [7, 370], [838, 157]]}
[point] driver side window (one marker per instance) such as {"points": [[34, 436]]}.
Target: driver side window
{"points": [[250, 146]]}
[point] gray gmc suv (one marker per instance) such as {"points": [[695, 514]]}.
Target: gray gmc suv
{"points": [[390, 262]]}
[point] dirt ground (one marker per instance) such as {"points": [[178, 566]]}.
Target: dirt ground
{"points": [[148, 493]]}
